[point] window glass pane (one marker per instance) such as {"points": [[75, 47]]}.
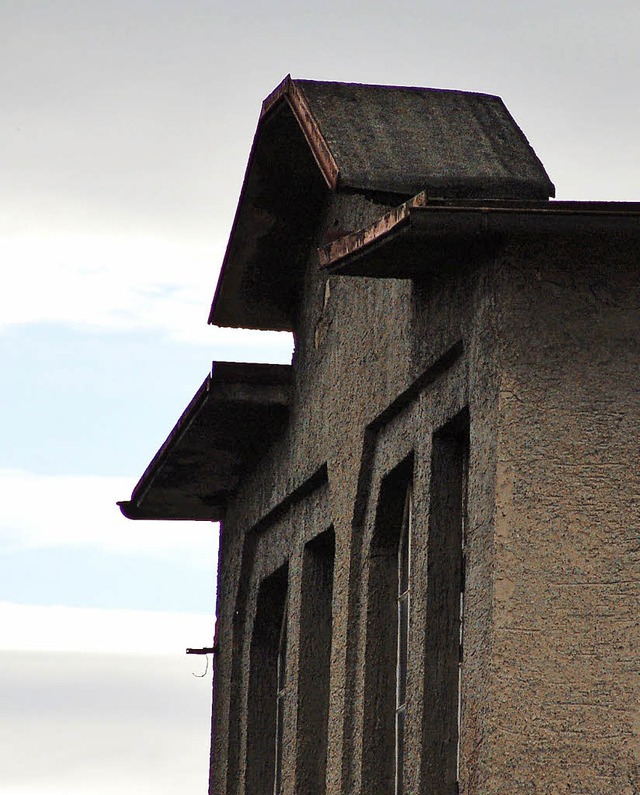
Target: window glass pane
{"points": [[403, 639], [314, 664], [445, 607], [403, 604], [280, 699], [282, 654], [279, 740], [262, 707], [400, 721], [404, 551]]}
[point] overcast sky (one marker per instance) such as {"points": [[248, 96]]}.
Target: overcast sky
{"points": [[124, 134]]}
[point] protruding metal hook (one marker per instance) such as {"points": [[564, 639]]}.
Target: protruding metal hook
{"points": [[206, 670], [206, 651]]}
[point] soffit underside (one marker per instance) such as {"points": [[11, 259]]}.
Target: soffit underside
{"points": [[423, 237], [274, 230], [238, 411]]}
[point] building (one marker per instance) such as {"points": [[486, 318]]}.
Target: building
{"points": [[429, 571]]}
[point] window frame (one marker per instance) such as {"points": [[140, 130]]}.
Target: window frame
{"points": [[281, 695], [403, 619]]}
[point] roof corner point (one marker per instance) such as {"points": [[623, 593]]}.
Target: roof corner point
{"points": [[282, 89], [293, 94]]}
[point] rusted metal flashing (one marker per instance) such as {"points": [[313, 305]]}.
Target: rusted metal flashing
{"points": [[288, 91], [387, 226], [432, 222], [278, 93]]}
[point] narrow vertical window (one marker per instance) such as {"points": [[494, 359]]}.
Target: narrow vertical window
{"points": [[403, 619], [267, 687], [387, 644], [445, 608], [280, 703], [464, 463], [314, 670]]}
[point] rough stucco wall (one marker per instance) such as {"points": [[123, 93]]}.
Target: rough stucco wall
{"points": [[549, 372], [462, 304], [344, 333], [565, 668], [362, 342]]}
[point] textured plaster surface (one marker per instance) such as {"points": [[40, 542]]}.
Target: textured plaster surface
{"points": [[565, 669], [545, 358]]}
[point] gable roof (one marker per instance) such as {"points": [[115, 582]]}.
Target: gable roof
{"points": [[314, 137]]}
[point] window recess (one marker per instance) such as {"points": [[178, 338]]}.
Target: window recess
{"points": [[315, 664], [402, 650], [388, 627], [267, 687], [446, 567]]}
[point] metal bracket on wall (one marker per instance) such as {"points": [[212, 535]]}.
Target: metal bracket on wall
{"points": [[206, 651]]}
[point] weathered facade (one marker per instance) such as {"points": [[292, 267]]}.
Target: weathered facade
{"points": [[429, 572]]}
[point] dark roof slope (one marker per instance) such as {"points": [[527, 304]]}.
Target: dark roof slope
{"points": [[314, 137], [404, 140]]}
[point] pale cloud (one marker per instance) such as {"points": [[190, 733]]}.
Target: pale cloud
{"points": [[83, 629], [109, 282], [92, 723], [125, 283], [46, 511]]}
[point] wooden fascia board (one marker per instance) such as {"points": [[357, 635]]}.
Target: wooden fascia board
{"points": [[423, 220], [289, 92]]}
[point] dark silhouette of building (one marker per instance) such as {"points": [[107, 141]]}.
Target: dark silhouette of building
{"points": [[429, 570]]}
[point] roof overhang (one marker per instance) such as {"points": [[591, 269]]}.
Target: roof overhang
{"points": [[422, 235], [236, 413], [289, 173], [390, 142]]}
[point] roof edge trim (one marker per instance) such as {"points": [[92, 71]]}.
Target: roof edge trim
{"points": [[130, 508], [381, 230], [229, 384], [421, 220], [288, 91]]}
